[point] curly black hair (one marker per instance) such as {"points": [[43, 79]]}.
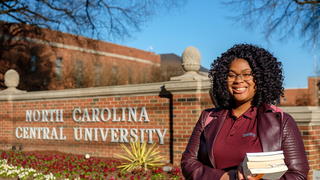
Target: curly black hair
{"points": [[267, 73]]}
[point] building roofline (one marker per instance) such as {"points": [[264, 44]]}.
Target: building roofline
{"points": [[86, 46], [295, 88]]}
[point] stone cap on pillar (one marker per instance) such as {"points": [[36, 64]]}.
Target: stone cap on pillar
{"points": [[191, 65], [11, 80]]}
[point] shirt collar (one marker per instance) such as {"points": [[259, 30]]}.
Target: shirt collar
{"points": [[251, 113]]}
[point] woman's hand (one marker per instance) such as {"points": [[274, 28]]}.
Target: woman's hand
{"points": [[241, 177], [225, 176]]}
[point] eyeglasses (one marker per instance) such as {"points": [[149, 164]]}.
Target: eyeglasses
{"points": [[245, 76]]}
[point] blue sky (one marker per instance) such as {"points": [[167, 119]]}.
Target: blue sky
{"points": [[206, 25]]}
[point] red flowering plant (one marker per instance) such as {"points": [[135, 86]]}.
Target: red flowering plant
{"points": [[71, 166]]}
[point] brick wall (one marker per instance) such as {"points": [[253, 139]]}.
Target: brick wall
{"points": [[14, 120], [186, 98]]}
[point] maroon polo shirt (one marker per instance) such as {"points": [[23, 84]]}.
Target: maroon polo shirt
{"points": [[236, 137]]}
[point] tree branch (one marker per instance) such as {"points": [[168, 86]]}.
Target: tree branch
{"points": [[88, 15], [307, 2], [11, 10], [113, 18]]}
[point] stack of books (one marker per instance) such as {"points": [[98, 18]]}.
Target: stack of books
{"points": [[266, 165]]}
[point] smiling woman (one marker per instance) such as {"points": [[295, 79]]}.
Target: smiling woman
{"points": [[246, 83]]}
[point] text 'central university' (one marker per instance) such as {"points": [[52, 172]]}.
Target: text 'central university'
{"points": [[92, 115]]}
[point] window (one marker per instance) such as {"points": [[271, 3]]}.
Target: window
{"points": [[114, 75], [58, 69], [98, 74], [33, 63], [79, 77]]}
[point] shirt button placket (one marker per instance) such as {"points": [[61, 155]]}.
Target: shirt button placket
{"points": [[235, 127]]}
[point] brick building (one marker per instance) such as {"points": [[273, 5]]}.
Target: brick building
{"points": [[302, 96], [63, 60]]}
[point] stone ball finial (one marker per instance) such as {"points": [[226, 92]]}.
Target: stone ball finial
{"points": [[191, 59], [11, 78], [191, 64]]}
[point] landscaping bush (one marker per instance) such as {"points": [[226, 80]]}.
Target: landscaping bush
{"points": [[57, 165]]}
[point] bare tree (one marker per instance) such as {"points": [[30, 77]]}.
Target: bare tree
{"points": [[283, 17], [102, 19]]}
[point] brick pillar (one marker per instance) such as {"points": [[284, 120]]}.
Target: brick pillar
{"points": [[308, 121], [6, 121], [189, 99], [311, 139]]}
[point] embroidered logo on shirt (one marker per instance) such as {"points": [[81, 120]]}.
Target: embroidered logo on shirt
{"points": [[249, 134]]}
